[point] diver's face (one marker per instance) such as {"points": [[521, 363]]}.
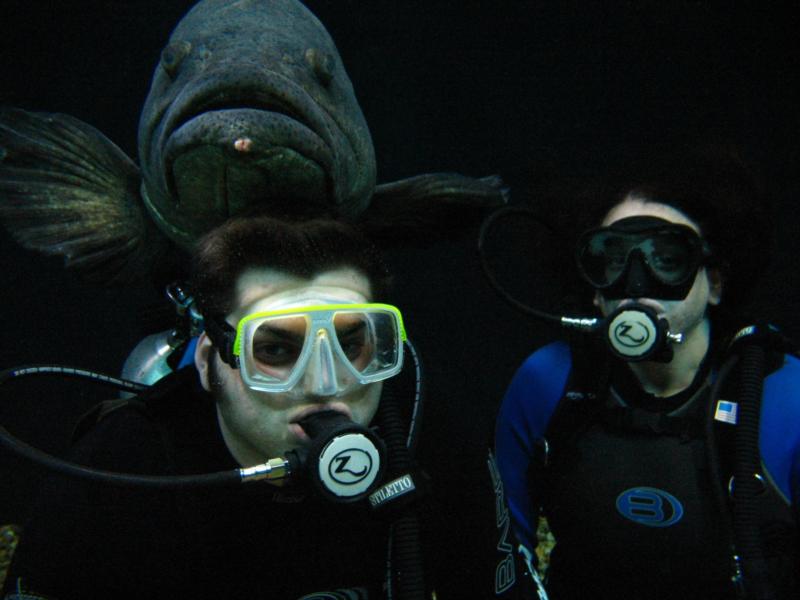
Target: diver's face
{"points": [[260, 425], [682, 315]]}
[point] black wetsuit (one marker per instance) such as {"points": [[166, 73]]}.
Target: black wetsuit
{"points": [[97, 541]]}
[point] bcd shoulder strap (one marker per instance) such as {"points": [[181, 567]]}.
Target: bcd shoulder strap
{"points": [[148, 402], [580, 404], [582, 399]]}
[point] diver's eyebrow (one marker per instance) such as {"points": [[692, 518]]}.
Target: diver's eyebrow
{"points": [[350, 330], [279, 332]]}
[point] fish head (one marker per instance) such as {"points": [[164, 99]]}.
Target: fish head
{"points": [[250, 110]]}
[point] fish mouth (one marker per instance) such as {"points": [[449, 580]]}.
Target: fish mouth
{"points": [[225, 146], [222, 99], [269, 92]]}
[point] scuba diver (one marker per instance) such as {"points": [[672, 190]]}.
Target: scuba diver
{"points": [[297, 366], [665, 458]]}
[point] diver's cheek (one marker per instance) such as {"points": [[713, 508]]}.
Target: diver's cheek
{"points": [[278, 401], [273, 434], [364, 402], [683, 316], [675, 312], [606, 306]]}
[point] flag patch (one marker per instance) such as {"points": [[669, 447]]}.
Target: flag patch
{"points": [[726, 412]]}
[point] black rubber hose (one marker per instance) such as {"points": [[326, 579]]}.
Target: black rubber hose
{"points": [[17, 446], [715, 465], [219, 479], [747, 465], [74, 372], [409, 572], [406, 544], [486, 226]]}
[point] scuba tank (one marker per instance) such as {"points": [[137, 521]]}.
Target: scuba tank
{"points": [[161, 353]]}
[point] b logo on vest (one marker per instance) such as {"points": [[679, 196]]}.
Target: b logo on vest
{"points": [[649, 506]]}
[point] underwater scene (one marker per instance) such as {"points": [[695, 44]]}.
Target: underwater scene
{"points": [[371, 299]]}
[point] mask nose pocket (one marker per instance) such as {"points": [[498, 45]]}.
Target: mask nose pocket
{"points": [[637, 279], [320, 376]]}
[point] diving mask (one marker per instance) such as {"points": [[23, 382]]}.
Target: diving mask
{"points": [[642, 257], [330, 347]]}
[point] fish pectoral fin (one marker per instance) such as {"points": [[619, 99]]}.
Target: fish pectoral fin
{"points": [[67, 190], [438, 204]]}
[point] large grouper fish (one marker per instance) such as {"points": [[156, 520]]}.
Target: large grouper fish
{"points": [[250, 109]]}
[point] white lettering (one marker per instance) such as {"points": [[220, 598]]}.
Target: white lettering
{"points": [[505, 574], [398, 487]]}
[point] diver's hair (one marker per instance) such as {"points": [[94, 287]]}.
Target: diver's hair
{"points": [[714, 188], [298, 247]]}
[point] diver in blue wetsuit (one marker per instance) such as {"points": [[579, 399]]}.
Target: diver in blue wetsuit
{"points": [[673, 474]]}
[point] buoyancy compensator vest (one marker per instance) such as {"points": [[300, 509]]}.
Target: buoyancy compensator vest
{"points": [[635, 471]]}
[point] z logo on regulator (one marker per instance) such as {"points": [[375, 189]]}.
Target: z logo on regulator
{"points": [[350, 466], [650, 506], [631, 335], [354, 594]]}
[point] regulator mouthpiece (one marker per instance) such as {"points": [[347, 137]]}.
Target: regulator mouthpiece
{"points": [[345, 460], [635, 333]]}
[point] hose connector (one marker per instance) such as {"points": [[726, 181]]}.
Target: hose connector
{"points": [[275, 468]]}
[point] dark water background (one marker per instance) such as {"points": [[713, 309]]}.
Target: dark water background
{"points": [[536, 92]]}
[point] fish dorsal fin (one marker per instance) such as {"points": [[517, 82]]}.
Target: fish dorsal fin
{"points": [[67, 190], [431, 205]]}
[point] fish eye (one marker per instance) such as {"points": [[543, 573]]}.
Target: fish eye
{"points": [[322, 65], [172, 56]]}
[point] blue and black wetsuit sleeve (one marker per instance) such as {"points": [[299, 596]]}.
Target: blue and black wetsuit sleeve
{"points": [[527, 407], [779, 439], [779, 435]]}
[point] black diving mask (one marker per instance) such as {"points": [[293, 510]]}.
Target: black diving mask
{"points": [[642, 257]]}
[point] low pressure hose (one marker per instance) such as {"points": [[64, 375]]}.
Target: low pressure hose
{"points": [[20, 448], [715, 470], [747, 485], [17, 446], [408, 570]]}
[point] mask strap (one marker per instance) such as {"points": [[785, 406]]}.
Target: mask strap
{"points": [[223, 336]]}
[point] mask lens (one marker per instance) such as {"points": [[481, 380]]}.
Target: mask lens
{"points": [[277, 344], [368, 340], [670, 257], [603, 257]]}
